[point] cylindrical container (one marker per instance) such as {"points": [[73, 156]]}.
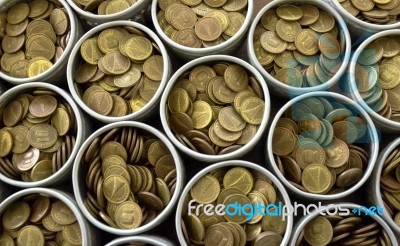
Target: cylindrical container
{"points": [[210, 60], [339, 207], [359, 29], [288, 91], [351, 88], [370, 140], [187, 53], [133, 12], [80, 187], [232, 164], [142, 239], [375, 184], [151, 106], [83, 130], [57, 71], [87, 231]]}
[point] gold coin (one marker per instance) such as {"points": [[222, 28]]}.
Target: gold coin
{"points": [[62, 214], [6, 143], [29, 234], [61, 121], [42, 170], [239, 178], [20, 69], [329, 46], [231, 120], [325, 231], [316, 178], [241, 200], [236, 21], [90, 51], [307, 42], [59, 20], [20, 139], [252, 110], [206, 190], [153, 67], [116, 63], [202, 114], [38, 67], [18, 13], [272, 43], [43, 106], [182, 17], [128, 215], [289, 12], [187, 37], [72, 234], [287, 30], [208, 29], [388, 75], [98, 100], [25, 161], [325, 22], [269, 20], [40, 46], [42, 136], [236, 78], [310, 15], [15, 216], [221, 16], [138, 48], [338, 154], [178, 101], [116, 189]]}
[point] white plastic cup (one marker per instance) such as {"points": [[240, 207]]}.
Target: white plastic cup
{"points": [[210, 60]]}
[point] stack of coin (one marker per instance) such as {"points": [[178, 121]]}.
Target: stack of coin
{"points": [[235, 185], [343, 230], [377, 76], [120, 72], [216, 110], [131, 177], [201, 23], [39, 220], [390, 185], [298, 45], [33, 37], [315, 146], [373, 11], [37, 135], [104, 7]]}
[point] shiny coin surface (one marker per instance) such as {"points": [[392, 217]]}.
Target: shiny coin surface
{"points": [[298, 45], [33, 31]]}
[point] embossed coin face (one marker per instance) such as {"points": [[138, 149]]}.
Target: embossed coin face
{"points": [[42, 136], [316, 178], [128, 215], [319, 231]]}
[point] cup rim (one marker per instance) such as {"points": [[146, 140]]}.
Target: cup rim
{"points": [[74, 60], [61, 195], [151, 239], [376, 181], [305, 219], [354, 90], [104, 18], [374, 146], [204, 60], [76, 182], [216, 48], [295, 91], [45, 75], [15, 91], [372, 26], [233, 163]]}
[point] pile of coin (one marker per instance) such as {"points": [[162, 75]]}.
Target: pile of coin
{"points": [[131, 177], [233, 185], [390, 185], [37, 135], [377, 76], [376, 11], [39, 220], [215, 110], [298, 45], [343, 230], [120, 72], [33, 37], [201, 23], [315, 146], [104, 7]]}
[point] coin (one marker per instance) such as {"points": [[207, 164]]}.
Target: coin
{"points": [[128, 68], [217, 21], [128, 215], [321, 236], [6, 143]]}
